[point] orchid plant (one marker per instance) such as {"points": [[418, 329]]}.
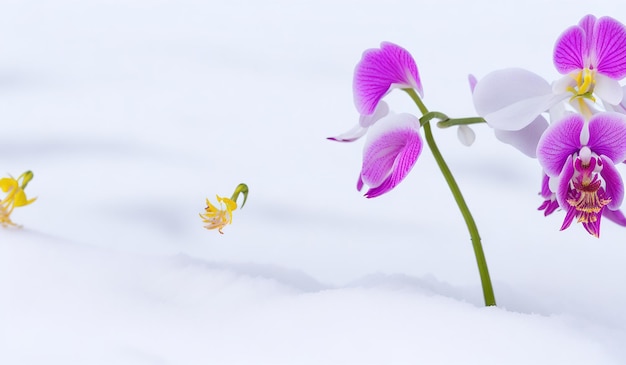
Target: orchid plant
{"points": [[575, 126], [394, 142]]}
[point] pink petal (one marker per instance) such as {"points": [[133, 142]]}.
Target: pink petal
{"points": [[614, 185], [546, 193], [390, 152], [570, 50], [607, 135], [563, 187], [609, 48], [472, 82], [559, 142], [587, 23], [381, 70], [615, 216]]}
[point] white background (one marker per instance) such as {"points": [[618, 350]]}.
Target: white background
{"points": [[131, 113]]}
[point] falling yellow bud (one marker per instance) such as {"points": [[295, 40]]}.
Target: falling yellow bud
{"points": [[16, 197], [218, 218]]}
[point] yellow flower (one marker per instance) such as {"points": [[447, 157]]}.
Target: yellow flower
{"points": [[16, 197], [219, 218]]}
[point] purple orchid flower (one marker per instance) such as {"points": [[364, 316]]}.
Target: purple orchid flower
{"points": [[581, 156], [391, 149], [379, 71], [593, 55]]}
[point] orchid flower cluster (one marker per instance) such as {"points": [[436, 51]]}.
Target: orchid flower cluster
{"points": [[574, 126], [15, 196], [586, 136]]}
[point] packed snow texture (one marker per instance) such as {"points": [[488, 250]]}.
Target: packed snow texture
{"points": [[131, 112]]}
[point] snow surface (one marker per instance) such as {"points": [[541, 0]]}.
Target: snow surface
{"points": [[131, 112]]}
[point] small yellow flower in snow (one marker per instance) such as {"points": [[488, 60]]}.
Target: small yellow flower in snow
{"points": [[16, 197], [219, 217]]}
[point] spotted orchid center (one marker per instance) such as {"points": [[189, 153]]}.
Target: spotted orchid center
{"points": [[585, 82], [587, 195]]}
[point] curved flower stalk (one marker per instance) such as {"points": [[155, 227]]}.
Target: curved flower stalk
{"points": [[218, 218], [16, 197], [581, 157], [394, 144]]}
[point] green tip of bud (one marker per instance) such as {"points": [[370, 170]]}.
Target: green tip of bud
{"points": [[240, 189], [26, 177]]}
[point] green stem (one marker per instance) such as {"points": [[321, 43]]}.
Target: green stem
{"points": [[459, 121], [485, 280]]}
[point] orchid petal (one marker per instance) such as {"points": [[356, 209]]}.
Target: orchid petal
{"points": [[609, 48], [618, 108], [472, 82], [614, 184], [559, 142], [546, 193], [527, 138], [608, 89], [615, 216], [381, 70], [352, 135], [365, 121], [510, 99], [382, 109], [563, 183], [570, 50], [466, 135], [607, 135], [587, 23], [391, 150]]}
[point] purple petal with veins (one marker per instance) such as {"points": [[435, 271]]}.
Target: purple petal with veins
{"points": [[381, 70], [559, 142], [587, 23], [389, 154], [564, 180], [609, 47], [571, 50], [614, 184], [607, 135]]}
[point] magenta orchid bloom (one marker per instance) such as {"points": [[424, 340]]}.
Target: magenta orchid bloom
{"points": [[379, 71], [593, 55], [581, 156], [391, 149]]}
